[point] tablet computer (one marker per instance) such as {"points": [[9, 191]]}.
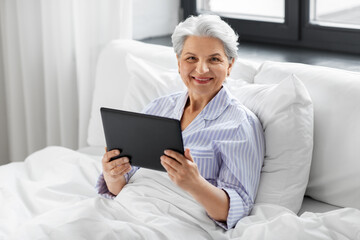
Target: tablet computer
{"points": [[141, 137]]}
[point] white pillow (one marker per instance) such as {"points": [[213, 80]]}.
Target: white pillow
{"points": [[244, 70], [113, 78], [286, 113], [335, 168], [147, 82]]}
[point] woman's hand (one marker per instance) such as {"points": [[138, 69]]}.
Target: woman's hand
{"points": [[184, 172], [181, 169], [115, 170]]}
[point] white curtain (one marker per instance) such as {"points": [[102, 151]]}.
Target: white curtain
{"points": [[48, 54]]}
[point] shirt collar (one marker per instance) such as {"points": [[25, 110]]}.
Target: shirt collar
{"points": [[212, 110], [180, 105], [217, 105]]}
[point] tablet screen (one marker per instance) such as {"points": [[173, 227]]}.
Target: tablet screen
{"points": [[141, 137]]}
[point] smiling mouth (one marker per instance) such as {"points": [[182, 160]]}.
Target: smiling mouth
{"points": [[202, 80]]}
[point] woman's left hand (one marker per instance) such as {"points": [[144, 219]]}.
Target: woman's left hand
{"points": [[184, 171]]}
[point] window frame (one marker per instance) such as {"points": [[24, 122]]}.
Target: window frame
{"points": [[295, 31], [328, 38]]}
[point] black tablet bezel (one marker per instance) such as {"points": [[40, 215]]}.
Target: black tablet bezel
{"points": [[141, 137]]}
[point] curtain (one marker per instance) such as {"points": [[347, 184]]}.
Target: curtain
{"points": [[48, 54]]}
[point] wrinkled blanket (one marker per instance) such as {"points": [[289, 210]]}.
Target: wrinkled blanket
{"points": [[51, 196]]}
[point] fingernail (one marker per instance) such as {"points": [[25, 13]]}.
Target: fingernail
{"points": [[166, 151], [126, 160]]}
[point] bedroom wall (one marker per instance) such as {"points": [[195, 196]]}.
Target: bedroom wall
{"points": [[4, 152], [154, 18]]}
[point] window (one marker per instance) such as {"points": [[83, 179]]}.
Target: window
{"points": [[324, 24], [334, 13], [272, 11]]}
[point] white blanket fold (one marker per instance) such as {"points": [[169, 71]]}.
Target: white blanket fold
{"points": [[51, 196]]}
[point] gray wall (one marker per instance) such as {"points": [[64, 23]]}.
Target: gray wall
{"points": [[4, 151], [154, 18]]}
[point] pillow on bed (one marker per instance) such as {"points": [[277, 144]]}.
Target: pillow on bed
{"points": [[112, 78], [334, 176], [147, 82], [286, 112], [244, 69]]}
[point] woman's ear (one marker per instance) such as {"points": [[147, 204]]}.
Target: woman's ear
{"points": [[231, 64], [178, 60]]}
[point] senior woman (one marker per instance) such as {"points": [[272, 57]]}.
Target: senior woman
{"points": [[224, 142]]}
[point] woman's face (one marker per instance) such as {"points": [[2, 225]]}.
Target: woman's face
{"points": [[203, 65]]}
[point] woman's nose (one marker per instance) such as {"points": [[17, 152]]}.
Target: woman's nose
{"points": [[202, 67]]}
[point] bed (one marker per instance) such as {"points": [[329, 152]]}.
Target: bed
{"points": [[309, 189]]}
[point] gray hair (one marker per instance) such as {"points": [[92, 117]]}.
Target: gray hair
{"points": [[206, 26]]}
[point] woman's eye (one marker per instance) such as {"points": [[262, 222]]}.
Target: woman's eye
{"points": [[215, 59], [191, 59]]}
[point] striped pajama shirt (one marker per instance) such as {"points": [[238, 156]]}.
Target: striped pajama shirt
{"points": [[226, 142]]}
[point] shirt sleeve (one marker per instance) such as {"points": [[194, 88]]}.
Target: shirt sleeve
{"points": [[102, 187], [239, 176]]}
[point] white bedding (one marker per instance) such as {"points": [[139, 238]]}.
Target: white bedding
{"points": [[51, 196]]}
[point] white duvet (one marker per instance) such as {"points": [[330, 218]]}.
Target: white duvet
{"points": [[51, 196]]}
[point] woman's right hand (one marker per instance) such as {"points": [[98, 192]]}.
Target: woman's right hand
{"points": [[115, 170]]}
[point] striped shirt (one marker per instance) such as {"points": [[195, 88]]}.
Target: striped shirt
{"points": [[226, 142]]}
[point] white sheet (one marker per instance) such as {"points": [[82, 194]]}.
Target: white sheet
{"points": [[52, 196]]}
